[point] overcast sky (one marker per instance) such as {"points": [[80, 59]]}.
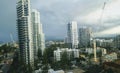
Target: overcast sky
{"points": [[55, 14]]}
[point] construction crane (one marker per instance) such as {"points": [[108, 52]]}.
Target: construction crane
{"points": [[103, 9], [94, 41], [102, 12], [100, 19], [12, 40]]}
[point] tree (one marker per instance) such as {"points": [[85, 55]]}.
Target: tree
{"points": [[65, 61], [45, 57], [39, 54], [109, 71], [19, 67], [4, 49], [72, 56], [45, 69], [94, 69]]}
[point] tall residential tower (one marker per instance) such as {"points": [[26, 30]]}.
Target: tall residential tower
{"points": [[72, 34], [85, 37], [24, 26], [38, 35]]}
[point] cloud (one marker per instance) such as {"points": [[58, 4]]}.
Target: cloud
{"points": [[110, 31], [110, 22], [55, 14], [112, 19]]}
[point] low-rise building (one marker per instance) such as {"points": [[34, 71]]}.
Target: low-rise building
{"points": [[109, 57], [105, 42], [38, 71], [98, 49], [58, 53], [58, 71]]}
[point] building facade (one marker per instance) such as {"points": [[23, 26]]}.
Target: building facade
{"points": [[85, 37], [38, 35], [24, 27], [72, 34], [116, 41], [110, 57], [105, 42], [70, 53]]}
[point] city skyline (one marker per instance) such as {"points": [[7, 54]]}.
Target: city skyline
{"points": [[68, 36], [56, 14]]}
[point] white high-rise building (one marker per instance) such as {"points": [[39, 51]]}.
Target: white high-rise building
{"points": [[38, 35], [42, 42], [72, 34], [24, 26]]}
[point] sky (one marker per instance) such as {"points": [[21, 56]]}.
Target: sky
{"points": [[55, 14]]}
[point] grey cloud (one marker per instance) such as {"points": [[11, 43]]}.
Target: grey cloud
{"points": [[113, 19], [55, 14]]}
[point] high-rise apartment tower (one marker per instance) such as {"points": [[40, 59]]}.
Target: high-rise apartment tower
{"points": [[85, 37], [72, 34], [38, 35], [24, 27]]}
